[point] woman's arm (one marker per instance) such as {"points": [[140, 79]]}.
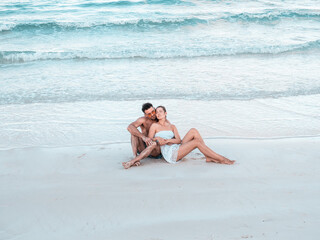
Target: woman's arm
{"points": [[160, 141], [176, 139], [152, 132]]}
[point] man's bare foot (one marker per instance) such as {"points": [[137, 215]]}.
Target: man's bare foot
{"points": [[126, 165], [223, 161], [137, 163]]}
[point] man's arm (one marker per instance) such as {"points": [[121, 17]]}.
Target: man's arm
{"points": [[133, 129]]}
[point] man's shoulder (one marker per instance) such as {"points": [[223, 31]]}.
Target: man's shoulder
{"points": [[145, 120], [142, 120], [139, 121]]}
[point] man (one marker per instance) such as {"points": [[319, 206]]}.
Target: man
{"points": [[140, 141]]}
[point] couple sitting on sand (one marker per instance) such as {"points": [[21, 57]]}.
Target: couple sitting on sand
{"points": [[159, 137]]}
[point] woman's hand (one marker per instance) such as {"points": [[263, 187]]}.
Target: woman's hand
{"points": [[173, 141], [161, 141]]}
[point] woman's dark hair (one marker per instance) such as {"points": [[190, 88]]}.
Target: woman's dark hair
{"points": [[164, 109], [146, 106]]}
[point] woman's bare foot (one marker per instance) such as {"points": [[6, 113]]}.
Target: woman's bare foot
{"points": [[223, 161], [212, 160], [227, 161]]}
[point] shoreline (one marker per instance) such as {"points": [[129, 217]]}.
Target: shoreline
{"points": [[76, 124], [128, 142]]}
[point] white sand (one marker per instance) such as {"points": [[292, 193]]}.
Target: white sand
{"points": [[74, 193]]}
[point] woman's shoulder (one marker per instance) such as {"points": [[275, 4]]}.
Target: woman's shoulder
{"points": [[172, 126]]}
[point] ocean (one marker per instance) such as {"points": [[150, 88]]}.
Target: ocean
{"points": [[77, 72]]}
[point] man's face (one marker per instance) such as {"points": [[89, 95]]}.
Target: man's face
{"points": [[150, 113]]}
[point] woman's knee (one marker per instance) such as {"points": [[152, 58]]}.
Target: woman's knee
{"points": [[196, 142], [194, 130], [195, 133]]}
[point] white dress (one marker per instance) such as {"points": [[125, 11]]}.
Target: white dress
{"points": [[169, 152]]}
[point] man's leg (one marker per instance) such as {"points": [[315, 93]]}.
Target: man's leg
{"points": [[145, 153], [137, 145], [156, 151]]}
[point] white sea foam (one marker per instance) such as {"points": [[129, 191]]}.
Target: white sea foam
{"points": [[157, 51]]}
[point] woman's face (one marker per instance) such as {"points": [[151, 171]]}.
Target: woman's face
{"points": [[160, 113]]}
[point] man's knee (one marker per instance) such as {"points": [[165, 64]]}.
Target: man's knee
{"points": [[152, 146], [156, 151]]}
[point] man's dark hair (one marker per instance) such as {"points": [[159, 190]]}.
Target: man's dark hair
{"points": [[146, 106]]}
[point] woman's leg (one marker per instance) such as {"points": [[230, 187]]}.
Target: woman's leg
{"points": [[186, 148], [191, 135], [145, 153], [210, 155]]}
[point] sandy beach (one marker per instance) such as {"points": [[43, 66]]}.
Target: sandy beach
{"points": [[272, 192]]}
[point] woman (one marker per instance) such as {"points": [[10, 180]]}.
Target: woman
{"points": [[172, 148]]}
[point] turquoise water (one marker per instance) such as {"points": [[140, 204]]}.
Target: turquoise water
{"points": [[201, 54]]}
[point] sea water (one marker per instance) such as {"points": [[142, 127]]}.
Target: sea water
{"points": [[77, 72]]}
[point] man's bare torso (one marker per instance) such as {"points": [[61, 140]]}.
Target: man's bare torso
{"points": [[146, 126]]}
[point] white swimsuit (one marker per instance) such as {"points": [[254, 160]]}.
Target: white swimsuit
{"points": [[169, 152]]}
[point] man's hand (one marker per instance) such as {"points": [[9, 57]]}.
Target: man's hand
{"points": [[147, 140]]}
